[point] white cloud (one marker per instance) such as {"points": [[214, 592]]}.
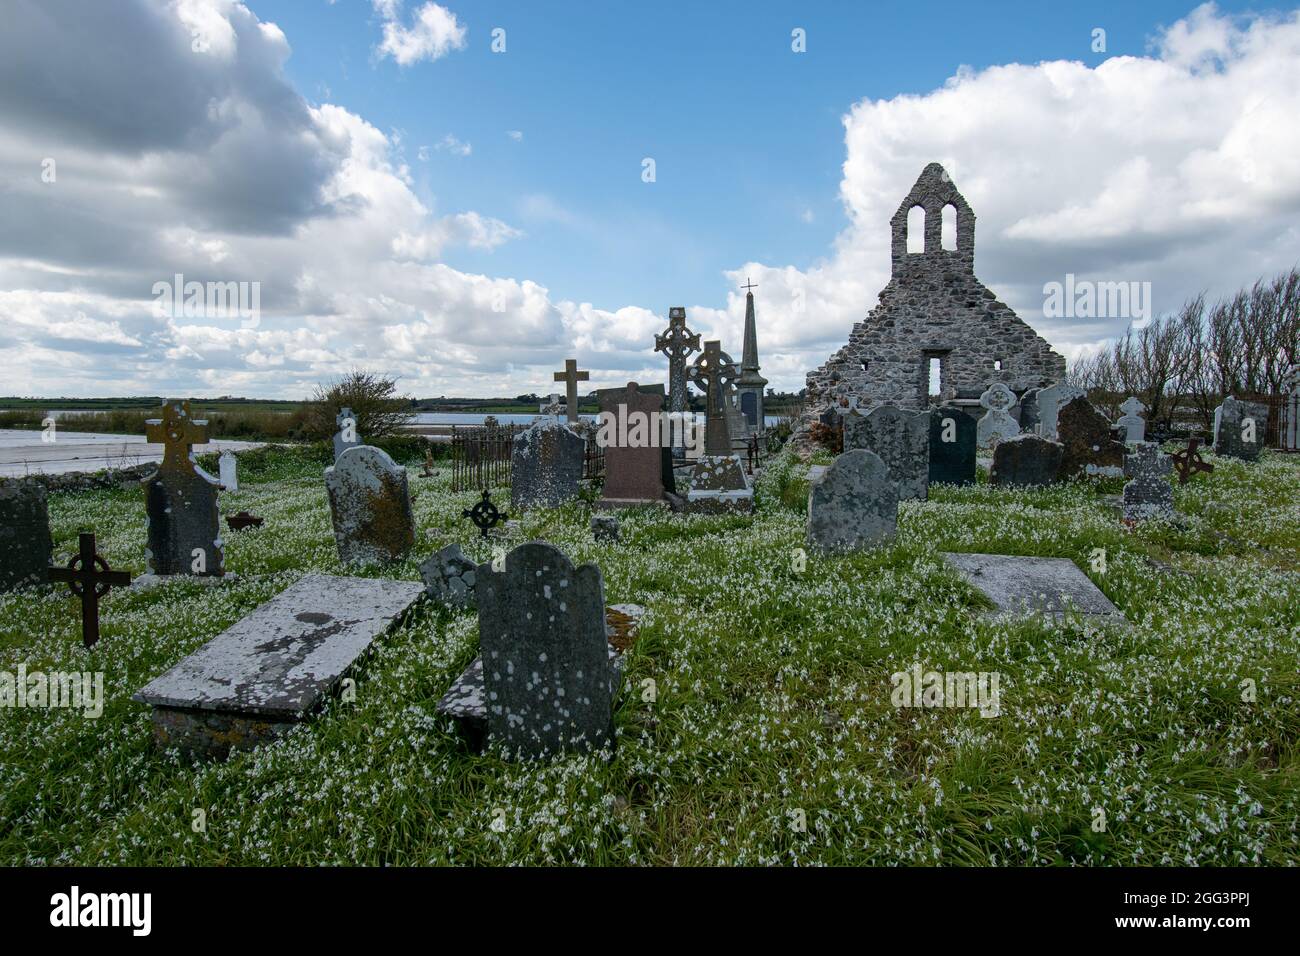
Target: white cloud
{"points": [[516, 134], [434, 32], [450, 144]]}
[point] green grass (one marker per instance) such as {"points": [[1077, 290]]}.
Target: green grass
{"points": [[773, 695]]}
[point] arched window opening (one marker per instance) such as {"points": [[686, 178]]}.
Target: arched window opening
{"points": [[949, 228], [916, 229]]}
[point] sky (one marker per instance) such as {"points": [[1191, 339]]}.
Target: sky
{"points": [[462, 195]]}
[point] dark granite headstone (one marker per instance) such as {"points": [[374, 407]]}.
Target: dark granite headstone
{"points": [[449, 577], [1148, 494], [546, 462], [370, 504], [25, 544], [1241, 428], [1026, 460], [1088, 446], [1028, 406], [901, 440], [853, 504], [630, 437], [546, 667], [184, 533], [1049, 403], [952, 446]]}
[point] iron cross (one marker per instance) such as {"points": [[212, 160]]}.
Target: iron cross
{"points": [[748, 284], [571, 377], [89, 577], [177, 432], [1189, 460]]}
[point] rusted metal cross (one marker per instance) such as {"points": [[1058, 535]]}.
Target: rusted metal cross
{"points": [[571, 377], [1189, 460], [89, 577]]}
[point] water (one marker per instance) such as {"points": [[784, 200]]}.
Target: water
{"points": [[469, 418]]}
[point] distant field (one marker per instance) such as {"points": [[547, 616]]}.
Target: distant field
{"points": [[146, 403]]}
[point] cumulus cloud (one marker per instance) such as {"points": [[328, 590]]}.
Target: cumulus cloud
{"points": [[434, 32]]}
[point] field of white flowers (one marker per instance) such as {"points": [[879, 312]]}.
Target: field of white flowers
{"points": [[773, 695]]}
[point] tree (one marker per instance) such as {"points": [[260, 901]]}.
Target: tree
{"points": [[378, 409]]}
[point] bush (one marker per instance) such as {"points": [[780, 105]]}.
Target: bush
{"points": [[377, 408]]}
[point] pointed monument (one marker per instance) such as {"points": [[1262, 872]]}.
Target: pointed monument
{"points": [[750, 384]]}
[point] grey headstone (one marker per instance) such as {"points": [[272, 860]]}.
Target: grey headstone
{"points": [[270, 669], [26, 548], [1026, 460], [1050, 402], [719, 484], [901, 440], [1021, 584], [1241, 429], [853, 504], [449, 577], [1134, 425], [546, 669], [996, 424], [370, 504], [227, 471], [1148, 493], [347, 436], [952, 446], [546, 462], [1085, 436]]}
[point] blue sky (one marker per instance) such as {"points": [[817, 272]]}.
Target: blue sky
{"points": [[353, 161]]}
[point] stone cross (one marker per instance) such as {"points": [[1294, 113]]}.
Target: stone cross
{"points": [[1135, 426], [677, 342], [89, 577], [571, 377], [553, 407], [712, 373], [184, 533], [177, 432], [997, 423]]}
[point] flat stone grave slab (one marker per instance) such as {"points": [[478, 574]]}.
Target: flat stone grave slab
{"points": [[1017, 584], [269, 670], [465, 702]]}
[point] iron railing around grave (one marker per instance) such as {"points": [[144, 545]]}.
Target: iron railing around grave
{"points": [[480, 456], [1283, 429]]}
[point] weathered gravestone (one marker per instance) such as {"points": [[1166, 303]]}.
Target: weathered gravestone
{"points": [[1084, 434], [1148, 493], [604, 528], [1026, 460], [719, 484], [1051, 586], [853, 504], [546, 659], [268, 671], [630, 436], [370, 504], [1028, 417], [184, 524], [1049, 403], [546, 462], [677, 342], [449, 577], [1240, 430], [952, 446], [25, 544], [346, 437], [227, 469], [1132, 422], [901, 440], [996, 424]]}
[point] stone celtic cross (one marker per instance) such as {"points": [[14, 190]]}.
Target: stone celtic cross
{"points": [[89, 577], [713, 372], [997, 397], [571, 377], [177, 432], [678, 343]]}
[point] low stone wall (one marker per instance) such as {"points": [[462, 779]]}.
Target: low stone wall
{"points": [[87, 481]]}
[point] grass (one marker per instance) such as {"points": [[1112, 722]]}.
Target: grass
{"points": [[770, 695]]}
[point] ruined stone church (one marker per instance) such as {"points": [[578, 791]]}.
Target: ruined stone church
{"points": [[934, 315]]}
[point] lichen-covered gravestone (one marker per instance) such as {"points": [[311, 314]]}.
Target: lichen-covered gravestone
{"points": [[719, 484], [25, 544], [449, 577], [901, 440], [370, 504], [853, 504], [546, 658], [1026, 460], [996, 424], [1049, 403], [546, 463], [184, 533], [1134, 425], [952, 446], [1240, 429], [1148, 493], [1084, 434]]}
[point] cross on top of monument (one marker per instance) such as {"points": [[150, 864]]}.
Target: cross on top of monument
{"points": [[1132, 406], [571, 377], [89, 577], [177, 432], [749, 284]]}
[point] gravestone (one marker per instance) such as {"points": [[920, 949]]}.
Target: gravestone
{"points": [[952, 446], [713, 373], [1148, 493], [546, 462], [25, 543], [346, 437], [996, 424], [267, 672], [719, 484], [677, 342], [228, 473], [1241, 429], [1028, 417], [449, 577], [853, 504], [1084, 434], [184, 523], [1134, 425], [571, 376], [604, 528], [546, 659], [370, 504], [1026, 461], [1050, 401], [1015, 584], [630, 437], [901, 440]]}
